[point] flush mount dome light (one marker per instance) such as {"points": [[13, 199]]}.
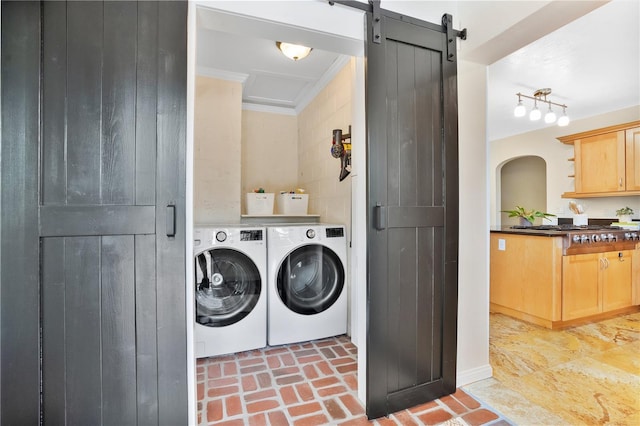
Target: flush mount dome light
{"points": [[293, 51]]}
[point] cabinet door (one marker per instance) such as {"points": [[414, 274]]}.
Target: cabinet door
{"points": [[633, 159], [580, 292], [615, 275], [600, 163]]}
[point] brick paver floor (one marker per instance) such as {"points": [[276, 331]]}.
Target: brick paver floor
{"points": [[310, 384]]}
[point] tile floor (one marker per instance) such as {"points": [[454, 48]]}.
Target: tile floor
{"points": [[584, 375], [309, 384]]}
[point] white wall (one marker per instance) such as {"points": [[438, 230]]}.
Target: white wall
{"points": [[217, 147], [269, 152], [543, 143], [318, 170], [473, 269]]}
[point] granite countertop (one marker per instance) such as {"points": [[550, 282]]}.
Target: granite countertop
{"points": [[532, 232]]}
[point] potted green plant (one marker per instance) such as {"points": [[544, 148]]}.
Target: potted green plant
{"points": [[624, 214], [526, 216]]}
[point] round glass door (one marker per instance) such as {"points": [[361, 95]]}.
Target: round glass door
{"points": [[310, 279], [228, 287]]}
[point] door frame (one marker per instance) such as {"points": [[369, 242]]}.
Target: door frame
{"points": [[332, 35]]}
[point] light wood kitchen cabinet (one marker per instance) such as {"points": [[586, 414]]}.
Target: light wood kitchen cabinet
{"points": [[605, 161], [526, 277], [596, 283], [632, 139]]}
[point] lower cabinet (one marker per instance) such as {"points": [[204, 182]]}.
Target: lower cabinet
{"points": [[596, 283]]}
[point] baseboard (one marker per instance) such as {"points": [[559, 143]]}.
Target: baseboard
{"points": [[473, 375]]}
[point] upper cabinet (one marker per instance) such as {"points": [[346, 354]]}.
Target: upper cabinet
{"points": [[606, 161], [632, 138]]}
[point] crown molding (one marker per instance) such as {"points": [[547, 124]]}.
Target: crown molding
{"points": [[222, 74], [269, 108], [326, 78]]}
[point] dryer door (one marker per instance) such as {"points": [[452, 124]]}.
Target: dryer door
{"points": [[228, 287], [310, 279]]}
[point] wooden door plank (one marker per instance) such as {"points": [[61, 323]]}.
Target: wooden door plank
{"points": [[84, 101], [392, 189], [83, 334], [54, 102], [53, 331], [406, 138], [147, 348], [146, 102], [427, 279], [404, 244], [19, 274], [118, 323], [394, 349], [118, 156]]}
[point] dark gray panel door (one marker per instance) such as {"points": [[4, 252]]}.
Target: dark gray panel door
{"points": [[412, 215], [93, 213]]}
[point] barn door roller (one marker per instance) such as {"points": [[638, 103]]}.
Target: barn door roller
{"points": [[447, 23]]}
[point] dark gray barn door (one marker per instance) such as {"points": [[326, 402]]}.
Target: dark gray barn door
{"points": [[93, 201], [413, 215]]}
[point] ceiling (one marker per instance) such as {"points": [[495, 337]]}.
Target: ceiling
{"points": [[592, 65]]}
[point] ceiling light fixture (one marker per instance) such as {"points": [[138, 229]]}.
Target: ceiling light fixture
{"points": [[293, 51], [540, 95]]}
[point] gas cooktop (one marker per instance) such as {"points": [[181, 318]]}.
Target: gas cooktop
{"points": [[567, 227], [590, 238]]}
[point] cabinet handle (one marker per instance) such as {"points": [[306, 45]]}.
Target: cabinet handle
{"points": [[601, 263], [606, 263], [620, 182]]}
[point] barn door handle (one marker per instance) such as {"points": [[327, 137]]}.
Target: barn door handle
{"points": [[380, 218], [171, 220]]}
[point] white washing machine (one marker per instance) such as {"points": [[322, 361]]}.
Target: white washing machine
{"points": [[307, 282], [231, 289]]}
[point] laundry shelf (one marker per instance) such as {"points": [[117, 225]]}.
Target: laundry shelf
{"points": [[279, 218]]}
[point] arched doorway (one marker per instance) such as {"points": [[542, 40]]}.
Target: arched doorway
{"points": [[523, 182]]}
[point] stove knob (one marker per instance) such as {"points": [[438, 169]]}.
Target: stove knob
{"points": [[603, 237], [584, 239], [627, 235], [634, 236], [611, 237], [576, 239], [595, 238]]}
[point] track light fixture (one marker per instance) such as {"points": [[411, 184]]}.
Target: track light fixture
{"points": [[535, 114]]}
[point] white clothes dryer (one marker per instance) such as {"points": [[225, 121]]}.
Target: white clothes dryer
{"points": [[230, 289], [307, 282]]}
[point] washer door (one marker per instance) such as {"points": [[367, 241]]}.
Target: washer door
{"points": [[228, 287], [310, 279]]}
